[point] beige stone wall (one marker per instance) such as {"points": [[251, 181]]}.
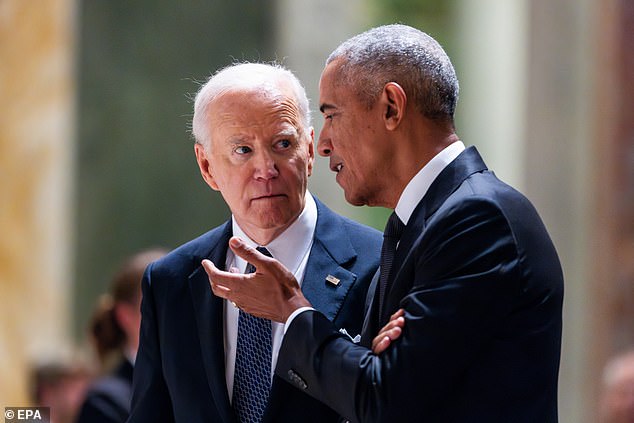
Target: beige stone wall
{"points": [[36, 139]]}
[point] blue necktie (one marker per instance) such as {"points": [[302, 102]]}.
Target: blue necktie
{"points": [[393, 231], [252, 376]]}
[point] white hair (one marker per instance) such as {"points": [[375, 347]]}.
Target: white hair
{"points": [[245, 76]]}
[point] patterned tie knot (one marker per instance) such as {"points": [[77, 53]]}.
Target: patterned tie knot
{"points": [[251, 268], [264, 251]]}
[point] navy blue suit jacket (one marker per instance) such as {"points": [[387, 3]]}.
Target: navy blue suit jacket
{"points": [[180, 372], [108, 398], [482, 289]]}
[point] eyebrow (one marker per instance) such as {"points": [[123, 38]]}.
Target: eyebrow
{"points": [[235, 140], [288, 133]]}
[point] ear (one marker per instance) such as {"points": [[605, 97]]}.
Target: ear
{"points": [[393, 103], [205, 166], [311, 151]]}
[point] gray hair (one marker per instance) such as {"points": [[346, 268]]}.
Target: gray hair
{"points": [[401, 54], [245, 76]]}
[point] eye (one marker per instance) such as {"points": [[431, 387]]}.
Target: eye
{"points": [[283, 144], [242, 150]]}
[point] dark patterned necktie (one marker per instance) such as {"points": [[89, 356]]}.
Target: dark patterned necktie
{"points": [[252, 375], [391, 235]]}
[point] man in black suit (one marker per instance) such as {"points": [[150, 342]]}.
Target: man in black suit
{"points": [[467, 269], [201, 359]]}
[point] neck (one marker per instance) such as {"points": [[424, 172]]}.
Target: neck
{"points": [[263, 236], [409, 161]]}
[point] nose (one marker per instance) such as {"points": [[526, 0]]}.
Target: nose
{"points": [[265, 166], [324, 146]]}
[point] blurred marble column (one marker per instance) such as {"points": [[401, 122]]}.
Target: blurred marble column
{"points": [[491, 65], [560, 170], [528, 97], [37, 101]]}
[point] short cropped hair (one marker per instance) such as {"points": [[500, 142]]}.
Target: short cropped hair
{"points": [[247, 76], [401, 54]]}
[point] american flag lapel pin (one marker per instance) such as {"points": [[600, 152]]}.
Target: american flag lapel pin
{"points": [[333, 280]]}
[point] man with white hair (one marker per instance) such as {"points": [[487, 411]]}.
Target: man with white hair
{"points": [[200, 358]]}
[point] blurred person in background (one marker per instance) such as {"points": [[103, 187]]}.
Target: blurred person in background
{"points": [[201, 359], [61, 386], [114, 330], [617, 395]]}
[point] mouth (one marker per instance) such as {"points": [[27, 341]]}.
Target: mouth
{"points": [[337, 168], [269, 197]]}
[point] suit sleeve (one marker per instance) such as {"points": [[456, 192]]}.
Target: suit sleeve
{"points": [[151, 401], [102, 408], [461, 280]]}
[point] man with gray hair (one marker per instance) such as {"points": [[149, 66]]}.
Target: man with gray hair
{"points": [[201, 359], [468, 272]]}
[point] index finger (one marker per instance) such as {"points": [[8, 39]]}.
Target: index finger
{"points": [[248, 253]]}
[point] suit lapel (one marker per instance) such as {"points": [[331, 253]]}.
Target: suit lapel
{"points": [[326, 282], [452, 176], [209, 313], [371, 318], [326, 295]]}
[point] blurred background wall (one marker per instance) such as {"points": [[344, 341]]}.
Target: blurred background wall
{"points": [[37, 179], [96, 161]]}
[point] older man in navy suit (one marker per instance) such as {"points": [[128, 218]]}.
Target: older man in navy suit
{"points": [[465, 258], [200, 358]]}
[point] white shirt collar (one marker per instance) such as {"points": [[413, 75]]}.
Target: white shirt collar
{"points": [[292, 245], [417, 187]]}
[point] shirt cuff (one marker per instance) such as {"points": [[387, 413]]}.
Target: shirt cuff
{"points": [[295, 314]]}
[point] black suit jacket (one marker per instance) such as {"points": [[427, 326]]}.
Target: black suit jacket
{"points": [[108, 399], [482, 289], [180, 371]]}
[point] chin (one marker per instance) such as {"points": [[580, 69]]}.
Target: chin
{"points": [[355, 200], [275, 218]]}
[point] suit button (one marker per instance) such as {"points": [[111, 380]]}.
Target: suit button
{"points": [[297, 380]]}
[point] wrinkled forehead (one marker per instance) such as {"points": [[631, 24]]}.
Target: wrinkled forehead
{"points": [[265, 105]]}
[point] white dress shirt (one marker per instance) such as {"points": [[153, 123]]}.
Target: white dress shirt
{"points": [[292, 249], [417, 187]]}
